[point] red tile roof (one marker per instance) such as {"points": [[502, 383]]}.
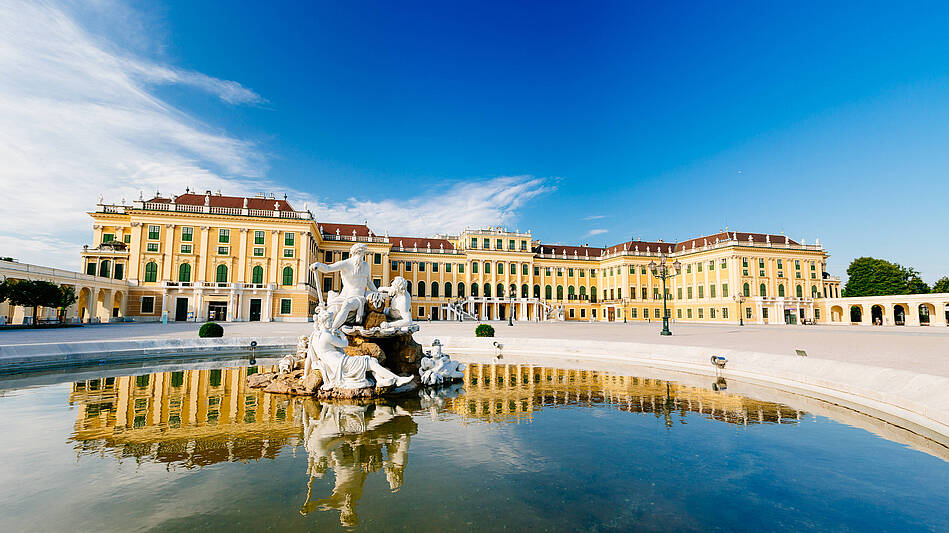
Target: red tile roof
{"points": [[741, 236], [329, 228], [266, 204], [421, 242]]}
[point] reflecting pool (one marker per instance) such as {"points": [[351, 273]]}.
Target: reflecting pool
{"points": [[514, 447]]}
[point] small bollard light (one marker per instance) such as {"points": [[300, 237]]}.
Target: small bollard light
{"points": [[253, 353]]}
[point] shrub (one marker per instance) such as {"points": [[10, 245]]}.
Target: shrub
{"points": [[211, 329], [484, 330]]}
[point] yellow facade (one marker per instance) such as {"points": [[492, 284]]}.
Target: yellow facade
{"points": [[203, 257]]}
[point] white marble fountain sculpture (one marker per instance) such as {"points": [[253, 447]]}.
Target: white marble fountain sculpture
{"points": [[340, 370], [437, 367]]}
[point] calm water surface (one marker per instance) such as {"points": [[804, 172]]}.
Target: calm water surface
{"points": [[514, 448]]}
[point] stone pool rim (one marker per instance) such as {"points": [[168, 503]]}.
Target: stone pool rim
{"points": [[915, 401]]}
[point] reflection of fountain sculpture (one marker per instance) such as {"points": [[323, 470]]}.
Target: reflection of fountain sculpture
{"points": [[352, 441], [354, 334], [437, 368]]}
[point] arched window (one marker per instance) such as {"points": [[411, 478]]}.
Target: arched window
{"points": [[500, 290], [593, 293], [222, 273], [583, 291], [548, 292], [487, 290], [105, 269], [560, 292], [408, 287], [461, 290], [257, 275], [487, 267], [781, 290], [474, 289], [184, 272], [151, 271], [763, 291], [447, 289], [421, 289], [434, 289], [814, 291], [746, 290], [524, 289], [800, 291], [536, 291], [855, 313], [570, 293], [287, 275]]}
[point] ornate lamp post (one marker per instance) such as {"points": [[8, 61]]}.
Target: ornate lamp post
{"points": [[740, 299], [510, 316], [663, 271]]}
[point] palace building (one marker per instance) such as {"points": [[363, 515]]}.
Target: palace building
{"points": [[210, 256]]}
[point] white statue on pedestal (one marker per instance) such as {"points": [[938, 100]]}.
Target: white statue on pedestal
{"points": [[437, 367], [357, 286], [399, 311], [342, 371]]}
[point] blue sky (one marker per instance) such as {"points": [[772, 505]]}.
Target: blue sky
{"points": [[583, 122]]}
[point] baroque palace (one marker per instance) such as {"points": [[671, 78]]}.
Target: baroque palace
{"points": [[209, 256]]}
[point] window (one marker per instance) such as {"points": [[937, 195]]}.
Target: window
{"points": [[711, 291], [548, 292], [258, 251], [285, 306], [408, 266], [688, 292], [701, 312], [221, 273], [153, 232], [560, 292], [395, 265], [434, 267], [148, 305], [688, 268], [524, 269], [571, 312], [288, 252], [634, 312], [498, 244], [289, 238], [816, 314], [780, 264], [224, 235], [724, 290], [344, 255], [377, 259], [487, 290], [513, 269], [724, 312], [701, 291], [678, 313], [223, 250], [762, 290], [127, 238], [583, 313], [724, 263], [327, 256], [781, 291], [108, 237], [678, 293], [642, 270], [474, 267], [698, 267], [434, 289], [655, 313], [523, 246], [184, 272], [120, 271], [151, 271], [711, 265], [582, 273], [287, 275], [257, 275], [151, 247], [487, 267], [186, 248], [448, 289], [748, 313], [474, 242], [448, 268], [474, 290], [105, 269], [746, 290], [510, 245], [187, 234], [421, 289], [570, 272], [688, 313], [461, 290], [327, 284], [421, 266], [800, 292], [711, 312], [258, 237], [461, 268], [91, 269], [645, 294], [764, 313]]}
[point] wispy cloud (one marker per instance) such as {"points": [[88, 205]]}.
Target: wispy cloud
{"points": [[449, 208], [597, 231], [78, 119], [594, 217]]}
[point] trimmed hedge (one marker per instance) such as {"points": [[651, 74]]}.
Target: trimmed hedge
{"points": [[211, 329], [484, 330]]}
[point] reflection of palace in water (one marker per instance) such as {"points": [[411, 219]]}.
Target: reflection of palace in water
{"points": [[189, 417], [511, 393], [201, 417]]}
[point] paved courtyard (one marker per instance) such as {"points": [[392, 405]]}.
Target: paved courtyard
{"points": [[919, 349]]}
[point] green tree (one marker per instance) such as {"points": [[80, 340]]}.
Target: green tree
{"points": [[941, 285], [34, 294], [869, 276], [67, 297]]}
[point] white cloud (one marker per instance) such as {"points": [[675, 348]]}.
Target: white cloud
{"points": [[78, 120], [597, 231], [594, 217], [449, 208]]}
